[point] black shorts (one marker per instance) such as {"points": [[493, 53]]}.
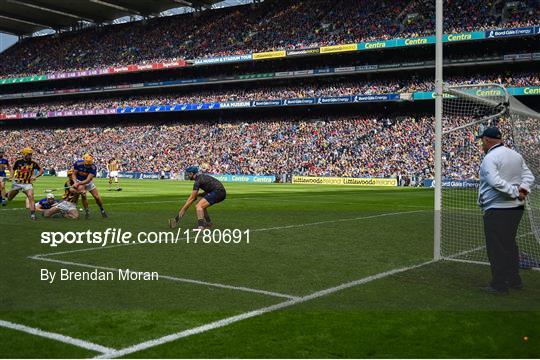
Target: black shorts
{"points": [[215, 196]]}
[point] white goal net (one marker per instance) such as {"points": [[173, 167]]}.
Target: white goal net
{"points": [[467, 110]]}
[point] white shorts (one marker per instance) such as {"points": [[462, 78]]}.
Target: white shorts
{"points": [[21, 187], [66, 206], [90, 186], [113, 174]]}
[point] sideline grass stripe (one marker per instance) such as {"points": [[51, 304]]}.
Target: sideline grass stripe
{"points": [[58, 337], [250, 314]]}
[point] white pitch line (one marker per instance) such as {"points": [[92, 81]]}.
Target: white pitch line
{"points": [[232, 198], [251, 314], [338, 220], [254, 230], [173, 278], [293, 300], [465, 252], [45, 257], [58, 337], [84, 249]]}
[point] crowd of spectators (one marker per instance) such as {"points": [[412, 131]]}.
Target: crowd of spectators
{"points": [[270, 25], [306, 89], [337, 146]]}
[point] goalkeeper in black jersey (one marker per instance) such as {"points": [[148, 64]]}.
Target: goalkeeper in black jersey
{"points": [[214, 192]]}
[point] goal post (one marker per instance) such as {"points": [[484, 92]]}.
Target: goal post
{"points": [[438, 126], [466, 111], [461, 112]]}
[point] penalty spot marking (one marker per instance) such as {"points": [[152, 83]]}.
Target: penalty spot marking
{"points": [[251, 314], [58, 337]]}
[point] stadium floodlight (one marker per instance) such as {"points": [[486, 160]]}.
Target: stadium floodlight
{"points": [[467, 110]]}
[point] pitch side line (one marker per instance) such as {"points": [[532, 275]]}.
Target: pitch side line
{"points": [[252, 314], [173, 278], [58, 337], [338, 220], [237, 198], [254, 230], [46, 257]]}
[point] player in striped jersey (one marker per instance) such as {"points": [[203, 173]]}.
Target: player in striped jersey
{"points": [[23, 176], [113, 166], [4, 166]]}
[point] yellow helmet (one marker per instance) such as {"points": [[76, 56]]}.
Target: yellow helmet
{"points": [[88, 159], [70, 172], [27, 151]]}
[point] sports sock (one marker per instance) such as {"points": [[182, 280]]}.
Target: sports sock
{"points": [[201, 222]]}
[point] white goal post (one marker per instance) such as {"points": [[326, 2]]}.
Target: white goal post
{"points": [[467, 110], [460, 113]]}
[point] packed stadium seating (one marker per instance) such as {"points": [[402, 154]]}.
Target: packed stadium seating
{"points": [[300, 90], [330, 145], [271, 25], [334, 146]]}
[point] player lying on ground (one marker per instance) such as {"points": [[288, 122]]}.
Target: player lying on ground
{"points": [[44, 204], [214, 192], [23, 176], [68, 206], [112, 168], [84, 172], [4, 165]]}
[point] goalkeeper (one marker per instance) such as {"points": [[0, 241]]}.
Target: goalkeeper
{"points": [[214, 192], [505, 183]]}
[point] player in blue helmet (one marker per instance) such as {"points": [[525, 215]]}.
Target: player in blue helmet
{"points": [[214, 192], [4, 166], [84, 172], [46, 203]]}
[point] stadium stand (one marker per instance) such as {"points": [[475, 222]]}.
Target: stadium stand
{"points": [[327, 144], [305, 89], [331, 146], [320, 147], [271, 25]]}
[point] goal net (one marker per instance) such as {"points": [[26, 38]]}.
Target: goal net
{"points": [[467, 110]]}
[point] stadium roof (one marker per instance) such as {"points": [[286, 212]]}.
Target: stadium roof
{"points": [[25, 17]]}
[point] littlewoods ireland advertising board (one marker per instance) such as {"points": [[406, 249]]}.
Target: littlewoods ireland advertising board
{"points": [[343, 181]]}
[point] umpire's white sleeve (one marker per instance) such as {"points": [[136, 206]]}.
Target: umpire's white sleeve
{"points": [[527, 177], [490, 170]]}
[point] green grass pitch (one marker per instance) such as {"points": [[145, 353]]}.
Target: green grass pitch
{"points": [[304, 239]]}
